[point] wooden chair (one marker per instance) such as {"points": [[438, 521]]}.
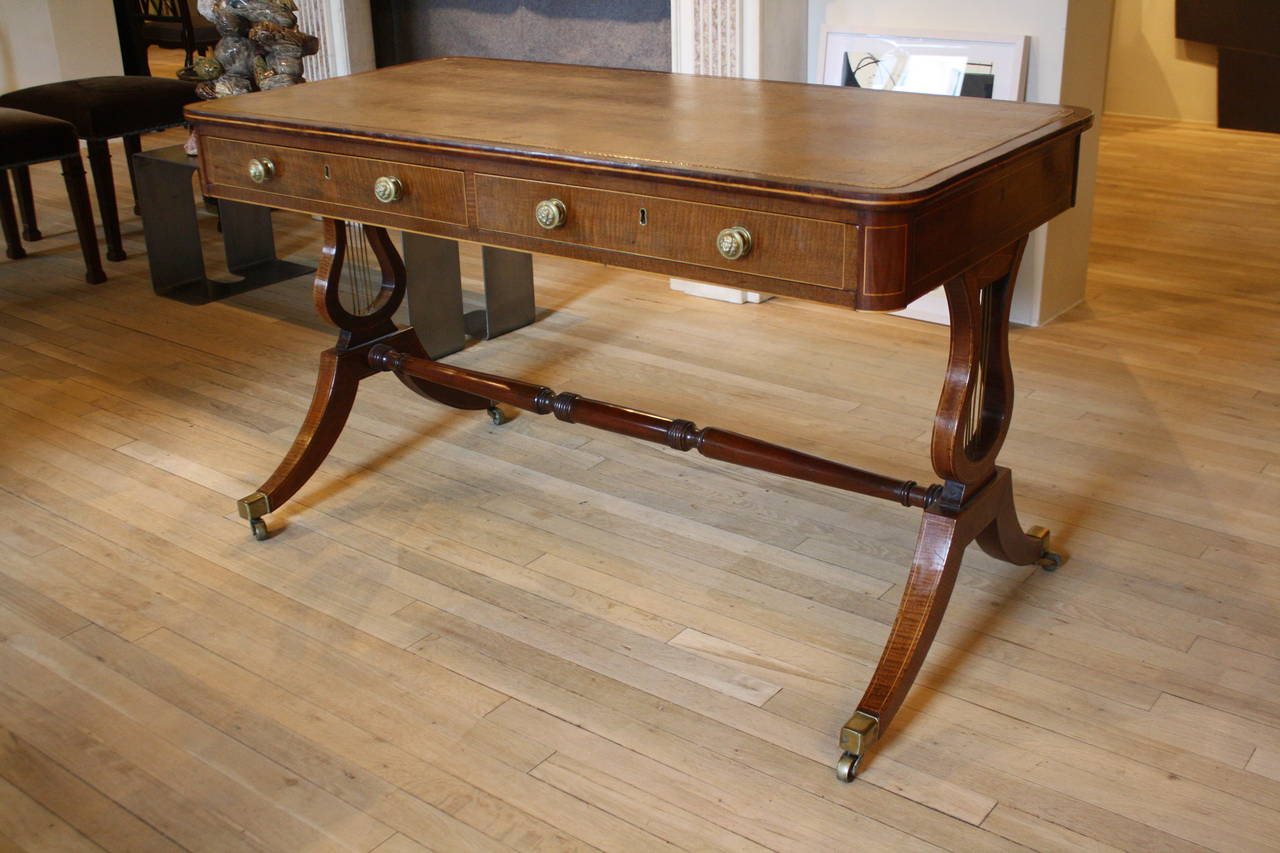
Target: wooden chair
{"points": [[100, 109], [27, 138], [174, 25]]}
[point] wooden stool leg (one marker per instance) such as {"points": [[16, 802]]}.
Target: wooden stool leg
{"points": [[132, 145], [104, 186], [82, 212], [26, 204], [9, 221]]}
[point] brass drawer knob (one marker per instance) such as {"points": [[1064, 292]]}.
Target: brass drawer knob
{"points": [[551, 213], [734, 242], [388, 189], [261, 170]]}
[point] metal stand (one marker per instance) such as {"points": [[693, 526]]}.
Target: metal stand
{"points": [[163, 177], [435, 293]]}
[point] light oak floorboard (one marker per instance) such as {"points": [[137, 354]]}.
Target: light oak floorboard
{"points": [[536, 637]]}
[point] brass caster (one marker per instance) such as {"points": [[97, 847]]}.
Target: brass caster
{"points": [[259, 528], [498, 416], [1049, 560], [847, 766]]}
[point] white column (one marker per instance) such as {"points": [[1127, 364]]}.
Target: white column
{"points": [[345, 30], [737, 38]]}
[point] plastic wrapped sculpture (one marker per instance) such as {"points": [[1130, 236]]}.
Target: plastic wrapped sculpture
{"points": [[261, 47]]}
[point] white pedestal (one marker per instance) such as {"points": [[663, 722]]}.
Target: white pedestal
{"points": [[718, 291]]}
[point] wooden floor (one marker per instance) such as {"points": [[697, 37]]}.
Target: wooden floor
{"points": [[539, 638]]}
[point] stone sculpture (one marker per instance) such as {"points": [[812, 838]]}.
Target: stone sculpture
{"points": [[261, 47]]}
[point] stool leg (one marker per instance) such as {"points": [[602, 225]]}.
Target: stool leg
{"points": [[78, 195], [26, 204], [132, 145], [8, 221], [104, 186]]}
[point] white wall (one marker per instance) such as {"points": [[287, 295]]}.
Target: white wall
{"points": [[1052, 277], [44, 41]]}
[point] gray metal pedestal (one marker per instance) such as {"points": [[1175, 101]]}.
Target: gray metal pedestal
{"points": [[163, 177], [434, 282]]}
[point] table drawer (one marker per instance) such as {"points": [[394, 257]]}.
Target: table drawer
{"points": [[423, 191], [793, 248]]}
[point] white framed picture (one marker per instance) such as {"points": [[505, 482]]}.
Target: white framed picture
{"points": [[932, 63], [972, 64]]}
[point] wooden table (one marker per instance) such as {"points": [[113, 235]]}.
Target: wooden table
{"points": [[847, 196]]}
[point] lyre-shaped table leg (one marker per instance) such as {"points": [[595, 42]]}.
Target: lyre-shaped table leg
{"points": [[924, 599], [976, 501], [336, 385], [1005, 540], [343, 366]]}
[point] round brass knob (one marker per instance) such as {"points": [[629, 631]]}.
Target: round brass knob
{"points": [[551, 213], [261, 170], [734, 242], [388, 189]]}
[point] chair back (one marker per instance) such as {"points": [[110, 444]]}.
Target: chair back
{"points": [[172, 24], [164, 11]]}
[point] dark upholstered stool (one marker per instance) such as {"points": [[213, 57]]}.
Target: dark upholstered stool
{"points": [[102, 108], [27, 138]]}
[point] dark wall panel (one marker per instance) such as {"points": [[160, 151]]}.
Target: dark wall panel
{"points": [[1240, 24], [619, 33]]}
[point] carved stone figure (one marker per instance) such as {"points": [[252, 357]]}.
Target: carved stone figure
{"points": [[261, 47]]}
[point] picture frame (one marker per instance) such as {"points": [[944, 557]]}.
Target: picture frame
{"points": [[942, 63], [887, 60]]}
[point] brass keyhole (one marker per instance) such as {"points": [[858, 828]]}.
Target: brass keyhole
{"points": [[644, 216], [327, 175]]}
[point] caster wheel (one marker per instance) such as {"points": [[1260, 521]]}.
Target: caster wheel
{"points": [[1050, 561], [259, 528], [847, 767], [498, 416]]}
